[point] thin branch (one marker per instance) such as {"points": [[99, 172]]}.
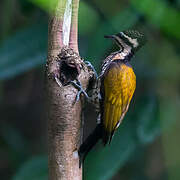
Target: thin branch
{"points": [[55, 39], [73, 42]]}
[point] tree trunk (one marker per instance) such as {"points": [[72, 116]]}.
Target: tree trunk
{"points": [[64, 114]]}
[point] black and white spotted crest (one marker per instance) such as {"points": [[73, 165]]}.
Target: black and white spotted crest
{"points": [[132, 38]]}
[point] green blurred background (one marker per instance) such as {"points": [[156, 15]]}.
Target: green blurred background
{"points": [[147, 145]]}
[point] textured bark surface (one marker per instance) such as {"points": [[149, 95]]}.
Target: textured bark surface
{"points": [[64, 118], [64, 115]]}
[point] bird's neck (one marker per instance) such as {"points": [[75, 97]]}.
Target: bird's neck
{"points": [[124, 55]]}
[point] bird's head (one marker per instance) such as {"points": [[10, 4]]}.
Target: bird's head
{"points": [[130, 39]]}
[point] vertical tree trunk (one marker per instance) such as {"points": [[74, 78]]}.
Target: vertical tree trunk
{"points": [[64, 115]]}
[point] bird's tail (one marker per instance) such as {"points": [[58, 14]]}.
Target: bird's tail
{"points": [[107, 137], [89, 143]]}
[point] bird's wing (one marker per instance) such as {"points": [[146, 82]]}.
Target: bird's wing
{"points": [[119, 85]]}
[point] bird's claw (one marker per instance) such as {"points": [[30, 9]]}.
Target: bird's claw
{"points": [[81, 90], [88, 63]]}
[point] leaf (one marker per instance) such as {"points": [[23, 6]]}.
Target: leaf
{"points": [[24, 50], [13, 138], [6, 14], [160, 14], [106, 161], [169, 111], [34, 169], [46, 4], [88, 18], [148, 122], [16, 145]]}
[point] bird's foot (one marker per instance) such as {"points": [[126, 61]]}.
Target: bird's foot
{"points": [[88, 63], [78, 85]]}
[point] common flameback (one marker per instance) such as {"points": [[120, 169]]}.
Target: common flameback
{"points": [[113, 89]]}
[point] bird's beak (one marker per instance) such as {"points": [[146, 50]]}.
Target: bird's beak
{"points": [[109, 36]]}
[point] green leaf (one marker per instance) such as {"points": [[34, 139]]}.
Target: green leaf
{"points": [[13, 138], [16, 145], [88, 18], [6, 14], [103, 163], [34, 169], [148, 122], [46, 4], [169, 111], [23, 51], [160, 14]]}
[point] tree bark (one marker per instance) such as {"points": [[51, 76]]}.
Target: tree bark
{"points": [[64, 114]]}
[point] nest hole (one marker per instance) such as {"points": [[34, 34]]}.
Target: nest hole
{"points": [[68, 73]]}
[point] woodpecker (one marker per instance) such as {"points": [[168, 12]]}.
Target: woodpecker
{"points": [[114, 88]]}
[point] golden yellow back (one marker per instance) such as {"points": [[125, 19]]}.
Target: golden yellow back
{"points": [[119, 85]]}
